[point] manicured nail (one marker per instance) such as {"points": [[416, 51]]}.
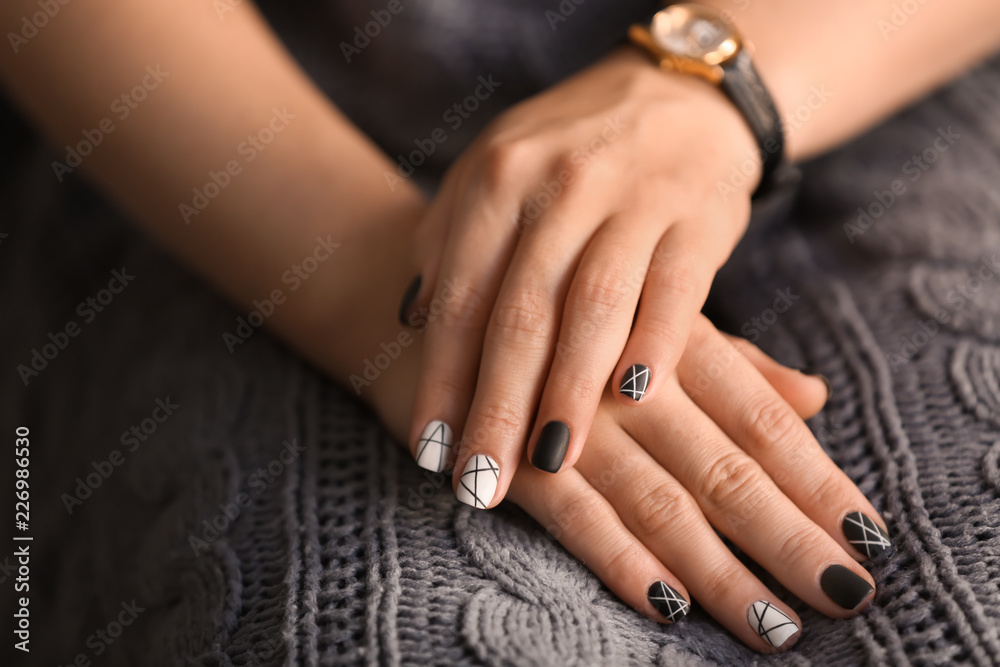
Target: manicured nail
{"points": [[550, 450], [865, 535], [771, 623], [434, 446], [668, 602], [635, 382], [479, 481], [844, 587], [411, 294]]}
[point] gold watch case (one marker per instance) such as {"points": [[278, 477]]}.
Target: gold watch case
{"points": [[689, 38]]}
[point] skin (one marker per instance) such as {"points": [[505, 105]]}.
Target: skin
{"points": [[722, 459], [560, 216]]}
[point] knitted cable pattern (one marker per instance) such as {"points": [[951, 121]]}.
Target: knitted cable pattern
{"points": [[347, 553]]}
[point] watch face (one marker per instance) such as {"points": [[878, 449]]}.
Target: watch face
{"points": [[694, 32]]}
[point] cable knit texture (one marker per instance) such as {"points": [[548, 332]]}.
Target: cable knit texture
{"points": [[348, 553]]}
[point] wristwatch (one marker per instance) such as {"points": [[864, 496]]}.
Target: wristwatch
{"points": [[700, 40]]}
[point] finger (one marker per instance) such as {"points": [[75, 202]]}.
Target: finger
{"points": [[572, 512], [521, 335], [742, 502], [663, 516], [754, 416], [430, 243], [807, 393], [472, 266], [597, 316], [676, 286]]}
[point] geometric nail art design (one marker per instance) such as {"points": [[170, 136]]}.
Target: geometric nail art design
{"points": [[771, 623], [865, 535], [635, 382], [479, 481], [668, 601], [434, 446]]}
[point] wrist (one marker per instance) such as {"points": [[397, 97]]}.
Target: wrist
{"points": [[721, 129]]}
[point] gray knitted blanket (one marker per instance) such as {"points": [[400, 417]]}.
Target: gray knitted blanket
{"points": [[255, 514]]}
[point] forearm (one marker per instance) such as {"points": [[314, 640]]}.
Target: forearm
{"points": [[298, 175], [865, 65]]}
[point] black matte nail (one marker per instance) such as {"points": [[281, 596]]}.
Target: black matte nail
{"points": [[668, 602], [635, 382], [865, 535], [408, 298], [844, 587], [550, 450]]}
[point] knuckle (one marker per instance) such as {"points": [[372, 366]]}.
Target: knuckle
{"points": [[724, 584], [462, 310], [569, 169], [600, 292], [679, 280], [503, 160], [574, 516], [523, 318], [799, 544], [770, 422], [496, 420], [830, 491], [730, 481], [576, 389], [661, 510], [623, 556]]}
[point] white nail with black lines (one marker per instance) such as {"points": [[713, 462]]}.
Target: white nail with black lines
{"points": [[771, 623], [479, 481], [434, 446]]}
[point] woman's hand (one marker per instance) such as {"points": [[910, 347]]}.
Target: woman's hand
{"points": [[720, 450], [544, 235], [641, 503]]}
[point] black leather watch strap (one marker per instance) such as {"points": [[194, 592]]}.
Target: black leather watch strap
{"points": [[742, 84]]}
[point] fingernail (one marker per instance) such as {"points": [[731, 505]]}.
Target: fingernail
{"points": [[844, 587], [635, 382], [771, 623], [479, 481], [434, 446], [668, 601], [411, 294], [865, 535], [550, 450]]}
